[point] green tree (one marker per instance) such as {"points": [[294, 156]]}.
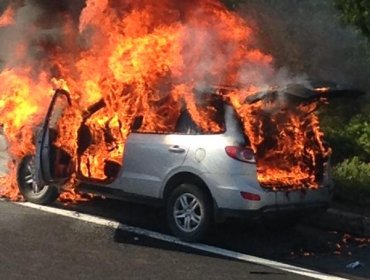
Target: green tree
{"points": [[352, 178], [356, 12]]}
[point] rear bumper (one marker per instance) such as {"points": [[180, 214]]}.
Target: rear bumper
{"points": [[275, 211], [226, 192]]}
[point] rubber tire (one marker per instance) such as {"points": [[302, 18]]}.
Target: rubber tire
{"points": [[206, 208], [49, 193]]}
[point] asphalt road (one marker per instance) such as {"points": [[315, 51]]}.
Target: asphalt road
{"points": [[313, 248], [39, 245]]}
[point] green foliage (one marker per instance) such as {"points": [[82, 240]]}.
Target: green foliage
{"points": [[352, 179], [348, 137], [359, 130], [356, 12], [350, 141]]}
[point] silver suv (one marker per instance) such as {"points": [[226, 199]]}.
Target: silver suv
{"points": [[198, 177]]}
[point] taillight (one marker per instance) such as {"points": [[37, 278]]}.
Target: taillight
{"points": [[250, 196], [241, 153]]}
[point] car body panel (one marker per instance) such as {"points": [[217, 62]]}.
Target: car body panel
{"points": [[226, 191], [148, 158], [303, 196]]}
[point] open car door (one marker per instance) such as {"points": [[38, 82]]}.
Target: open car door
{"points": [[53, 164]]}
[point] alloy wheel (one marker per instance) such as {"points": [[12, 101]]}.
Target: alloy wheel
{"points": [[187, 212], [29, 178]]}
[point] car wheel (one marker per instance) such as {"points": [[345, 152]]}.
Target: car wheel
{"points": [[189, 211], [28, 186]]}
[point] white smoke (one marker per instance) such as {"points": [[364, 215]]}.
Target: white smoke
{"points": [[36, 32], [308, 37]]}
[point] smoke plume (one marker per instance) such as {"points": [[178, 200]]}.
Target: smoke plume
{"points": [[308, 37]]}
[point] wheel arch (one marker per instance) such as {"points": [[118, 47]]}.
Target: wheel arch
{"points": [[185, 177]]}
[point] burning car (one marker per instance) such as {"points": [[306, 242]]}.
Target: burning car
{"points": [[197, 174], [135, 115]]}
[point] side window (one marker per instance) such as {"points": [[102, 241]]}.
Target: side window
{"points": [[60, 104], [148, 125], [186, 125], [58, 154], [205, 116]]}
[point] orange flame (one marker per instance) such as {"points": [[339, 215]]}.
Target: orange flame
{"points": [[288, 143], [7, 18], [145, 58], [322, 89]]}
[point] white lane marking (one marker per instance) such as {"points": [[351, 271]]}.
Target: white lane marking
{"points": [[171, 239]]}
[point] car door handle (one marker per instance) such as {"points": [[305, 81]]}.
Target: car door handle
{"points": [[176, 149]]}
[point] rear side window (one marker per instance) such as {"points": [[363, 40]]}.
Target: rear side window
{"points": [[207, 117], [185, 124]]}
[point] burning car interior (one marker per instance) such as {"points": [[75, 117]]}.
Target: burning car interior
{"points": [[95, 131], [278, 120]]}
